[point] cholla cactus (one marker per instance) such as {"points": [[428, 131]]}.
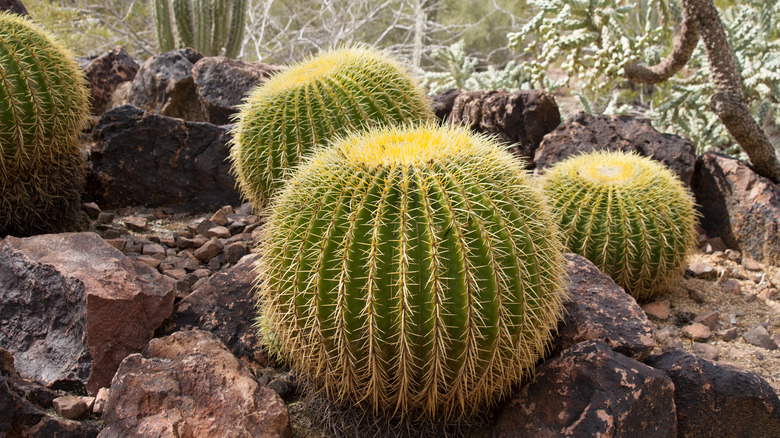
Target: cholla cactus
{"points": [[629, 215], [411, 270], [212, 27], [312, 102], [43, 107]]}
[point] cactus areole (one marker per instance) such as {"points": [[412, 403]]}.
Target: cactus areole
{"points": [[629, 215], [411, 270], [313, 102]]}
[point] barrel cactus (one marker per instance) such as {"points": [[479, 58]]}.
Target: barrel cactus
{"points": [[212, 27], [411, 270], [629, 215], [43, 107], [310, 104]]}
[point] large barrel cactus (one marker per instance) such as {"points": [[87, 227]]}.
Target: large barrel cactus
{"points": [[414, 271], [310, 104], [629, 215], [43, 107], [212, 27]]}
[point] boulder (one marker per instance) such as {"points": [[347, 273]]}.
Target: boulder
{"points": [[597, 308], [222, 83], [224, 305], [189, 384], [738, 205], [719, 400], [585, 132], [519, 118], [125, 302], [139, 158], [105, 73], [443, 103], [164, 85], [589, 391]]}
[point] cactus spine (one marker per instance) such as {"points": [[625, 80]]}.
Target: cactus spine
{"points": [[310, 104], [629, 215], [43, 107], [412, 270], [213, 27]]}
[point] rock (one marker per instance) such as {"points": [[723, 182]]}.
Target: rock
{"points": [[220, 218], [106, 217], [519, 118], [588, 391], [585, 132], [738, 205], [750, 264], [706, 351], [153, 263], [154, 250], [703, 270], [597, 308], [719, 400], [189, 384], [709, 319], [697, 331], [105, 73], [760, 337], [658, 309], [728, 334], [696, 296], [209, 250], [100, 401], [164, 85], [91, 209], [218, 232], [235, 251], [222, 83], [80, 306], [224, 305], [139, 158], [443, 103], [731, 286], [137, 224], [70, 407]]}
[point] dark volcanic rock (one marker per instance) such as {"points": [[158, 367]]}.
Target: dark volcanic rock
{"points": [[597, 308], [585, 132], [188, 384], [591, 391], [520, 118], [719, 400], [738, 205], [222, 83], [125, 300], [164, 85], [225, 306], [105, 73], [444, 101], [139, 158]]}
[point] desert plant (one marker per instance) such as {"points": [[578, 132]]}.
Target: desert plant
{"points": [[213, 27], [629, 215], [411, 270], [43, 107], [311, 103]]}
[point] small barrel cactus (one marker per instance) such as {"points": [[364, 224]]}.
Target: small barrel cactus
{"points": [[43, 107], [212, 27], [310, 104], [629, 215], [411, 270]]}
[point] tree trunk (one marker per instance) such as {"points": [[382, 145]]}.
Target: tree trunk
{"points": [[701, 19], [14, 6]]}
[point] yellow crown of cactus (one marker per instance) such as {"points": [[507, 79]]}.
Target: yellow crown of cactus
{"points": [[43, 107], [313, 102], [629, 215], [411, 270]]}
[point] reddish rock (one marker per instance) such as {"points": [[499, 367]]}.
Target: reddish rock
{"points": [[703, 270], [222, 84], [105, 73], [100, 401], [598, 308], [235, 251], [585, 132], [658, 309], [125, 301], [759, 336], [731, 286], [697, 331], [715, 400], [137, 224], [209, 250], [738, 205], [219, 232], [189, 384], [70, 407], [220, 217], [519, 118], [710, 319], [591, 391], [750, 264], [154, 250], [706, 351]]}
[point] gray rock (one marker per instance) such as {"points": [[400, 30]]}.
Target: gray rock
{"points": [[760, 337]]}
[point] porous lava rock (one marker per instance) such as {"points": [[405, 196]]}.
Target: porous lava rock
{"points": [[104, 74], [585, 132]]}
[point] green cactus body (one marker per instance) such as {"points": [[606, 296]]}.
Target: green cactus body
{"points": [[312, 103], [213, 27], [629, 215], [411, 270], [43, 107]]}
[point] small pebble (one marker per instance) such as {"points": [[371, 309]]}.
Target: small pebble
{"points": [[706, 351], [137, 224], [733, 255], [697, 331], [728, 334], [658, 309], [731, 287], [710, 319], [696, 295], [750, 264], [702, 270]]}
